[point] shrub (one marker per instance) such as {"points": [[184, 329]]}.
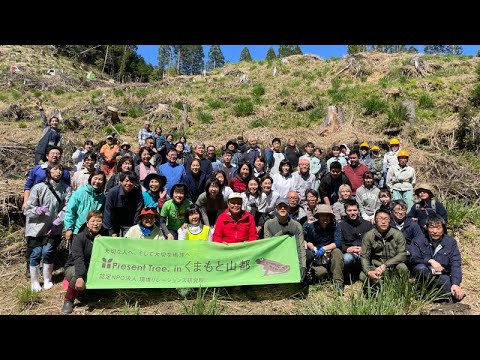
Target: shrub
{"points": [[374, 105], [142, 92], [397, 115], [118, 92], [475, 95], [257, 123], [258, 90], [204, 117], [216, 103], [59, 91], [135, 111], [243, 107], [27, 298], [425, 101], [201, 306]]}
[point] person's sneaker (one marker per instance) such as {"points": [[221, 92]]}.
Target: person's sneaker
{"points": [[67, 307], [249, 292]]}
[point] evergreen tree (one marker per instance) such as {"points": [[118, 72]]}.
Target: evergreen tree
{"points": [[455, 49], [245, 55], [271, 54], [287, 50], [197, 60], [165, 55], [215, 57], [354, 49], [443, 49], [412, 50], [435, 49]]}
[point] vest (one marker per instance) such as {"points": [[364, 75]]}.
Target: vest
{"points": [[202, 235]]}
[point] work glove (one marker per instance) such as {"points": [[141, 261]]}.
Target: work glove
{"points": [[56, 222], [320, 252], [40, 210]]}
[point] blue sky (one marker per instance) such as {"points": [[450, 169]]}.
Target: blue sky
{"points": [[258, 52]]}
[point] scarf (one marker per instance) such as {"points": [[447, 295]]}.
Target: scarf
{"points": [[146, 231]]}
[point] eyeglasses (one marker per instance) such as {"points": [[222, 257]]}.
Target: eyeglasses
{"points": [[382, 219]]}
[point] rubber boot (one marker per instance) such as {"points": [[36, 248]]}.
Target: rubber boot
{"points": [[47, 276], [34, 277], [69, 300]]}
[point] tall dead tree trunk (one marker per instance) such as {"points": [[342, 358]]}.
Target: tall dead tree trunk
{"points": [[184, 117]]}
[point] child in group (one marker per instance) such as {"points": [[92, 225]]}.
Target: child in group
{"points": [[146, 229], [45, 211], [194, 229], [76, 266], [172, 215]]}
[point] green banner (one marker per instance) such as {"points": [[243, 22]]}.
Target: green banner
{"points": [[119, 263]]}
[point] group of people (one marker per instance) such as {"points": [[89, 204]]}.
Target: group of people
{"points": [[353, 215]]}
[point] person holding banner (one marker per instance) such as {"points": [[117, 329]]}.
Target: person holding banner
{"points": [[323, 246], [193, 229], [76, 266], [234, 224], [281, 224], [146, 229]]}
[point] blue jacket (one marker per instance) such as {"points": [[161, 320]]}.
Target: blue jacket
{"points": [[38, 174], [448, 256], [320, 237], [421, 210], [173, 173], [410, 230]]}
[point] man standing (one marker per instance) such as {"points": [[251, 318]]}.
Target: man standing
{"points": [[355, 171], [292, 152], [145, 133], [51, 134], [316, 166], [274, 156]]}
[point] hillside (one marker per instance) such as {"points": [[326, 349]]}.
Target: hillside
{"points": [[248, 99]]}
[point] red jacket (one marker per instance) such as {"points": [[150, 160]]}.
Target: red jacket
{"points": [[230, 231], [238, 185]]}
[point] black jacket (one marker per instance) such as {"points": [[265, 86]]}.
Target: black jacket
{"points": [[353, 231], [82, 251]]}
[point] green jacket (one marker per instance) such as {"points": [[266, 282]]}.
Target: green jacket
{"points": [[377, 249]]}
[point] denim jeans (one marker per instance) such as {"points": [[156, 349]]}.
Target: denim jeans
{"points": [[352, 264], [39, 252]]}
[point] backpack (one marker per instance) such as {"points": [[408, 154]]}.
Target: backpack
{"points": [[417, 206]]}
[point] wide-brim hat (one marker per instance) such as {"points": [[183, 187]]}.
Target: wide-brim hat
{"points": [[324, 209], [424, 186], [125, 144], [149, 211], [161, 179]]}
